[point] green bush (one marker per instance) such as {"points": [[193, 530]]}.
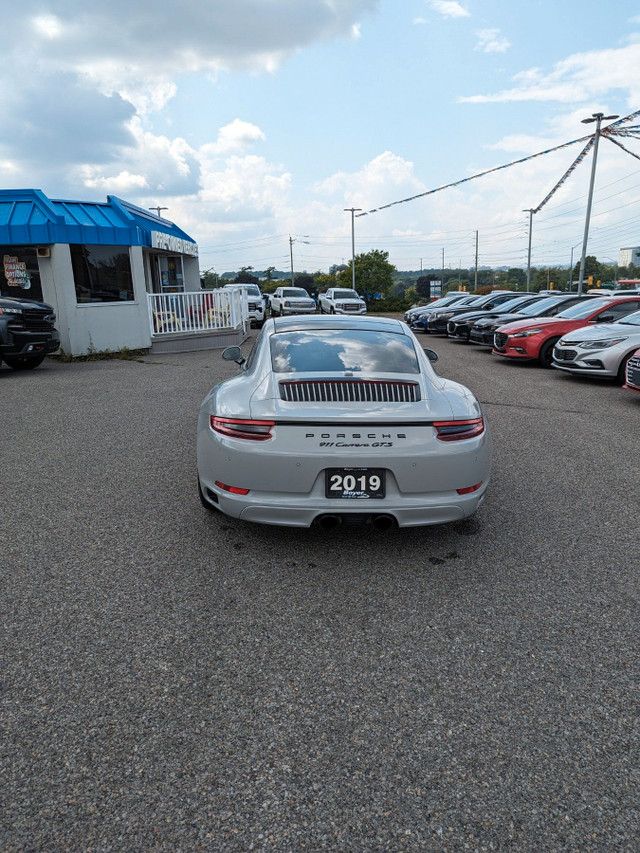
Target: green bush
{"points": [[388, 306]]}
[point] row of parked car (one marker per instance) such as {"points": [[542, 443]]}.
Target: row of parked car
{"points": [[289, 301], [589, 334]]}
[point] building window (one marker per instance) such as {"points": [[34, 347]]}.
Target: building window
{"points": [[102, 273], [19, 272]]}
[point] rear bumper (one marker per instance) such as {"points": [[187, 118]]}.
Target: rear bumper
{"points": [[286, 479], [265, 508]]}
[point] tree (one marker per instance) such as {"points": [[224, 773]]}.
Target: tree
{"points": [[245, 277], [517, 278], [374, 273], [591, 267], [304, 279]]}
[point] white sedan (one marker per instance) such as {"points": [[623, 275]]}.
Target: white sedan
{"points": [[337, 420]]}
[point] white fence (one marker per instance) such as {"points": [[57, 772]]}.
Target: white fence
{"points": [[198, 311]]}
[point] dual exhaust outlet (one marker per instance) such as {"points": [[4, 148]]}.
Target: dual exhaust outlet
{"points": [[381, 523]]}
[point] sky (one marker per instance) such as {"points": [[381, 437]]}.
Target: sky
{"points": [[258, 124]]}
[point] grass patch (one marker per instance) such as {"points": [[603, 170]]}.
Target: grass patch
{"points": [[123, 354]]}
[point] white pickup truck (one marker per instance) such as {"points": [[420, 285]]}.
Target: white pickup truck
{"points": [[341, 300], [291, 300]]}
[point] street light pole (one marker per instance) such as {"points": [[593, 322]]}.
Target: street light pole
{"points": [[530, 211], [598, 118], [570, 282], [353, 243]]}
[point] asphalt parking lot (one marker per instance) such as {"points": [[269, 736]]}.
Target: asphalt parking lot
{"points": [[175, 680]]}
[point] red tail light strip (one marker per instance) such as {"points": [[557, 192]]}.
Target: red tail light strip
{"points": [[459, 430], [237, 428]]}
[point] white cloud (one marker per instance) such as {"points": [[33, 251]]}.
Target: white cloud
{"points": [[236, 136], [580, 78], [48, 26], [490, 41], [385, 177], [123, 182], [449, 8]]}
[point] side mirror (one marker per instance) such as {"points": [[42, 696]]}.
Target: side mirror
{"points": [[432, 355], [233, 354], [604, 318]]}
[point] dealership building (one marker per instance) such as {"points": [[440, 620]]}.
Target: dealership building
{"points": [[116, 274]]}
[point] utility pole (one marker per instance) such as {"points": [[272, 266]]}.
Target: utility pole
{"points": [[530, 211], [291, 253], [598, 118], [353, 243], [442, 282], [475, 280], [158, 209]]}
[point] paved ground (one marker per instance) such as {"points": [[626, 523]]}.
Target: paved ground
{"points": [[173, 680]]}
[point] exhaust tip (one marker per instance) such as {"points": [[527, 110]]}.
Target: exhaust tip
{"points": [[329, 522], [383, 523]]}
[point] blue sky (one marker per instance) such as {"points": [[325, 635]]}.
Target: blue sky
{"points": [[255, 121]]}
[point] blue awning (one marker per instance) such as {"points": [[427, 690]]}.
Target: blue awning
{"points": [[28, 217]]}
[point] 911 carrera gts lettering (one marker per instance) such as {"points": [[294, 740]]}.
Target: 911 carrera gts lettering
{"points": [[355, 444]]}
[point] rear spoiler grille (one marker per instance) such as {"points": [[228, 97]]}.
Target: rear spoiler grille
{"points": [[349, 391]]}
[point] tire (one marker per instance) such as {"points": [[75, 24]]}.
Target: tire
{"points": [[546, 352], [622, 370], [332, 310], [24, 362]]}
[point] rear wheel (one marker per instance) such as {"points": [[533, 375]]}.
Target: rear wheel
{"points": [[24, 362], [546, 352]]}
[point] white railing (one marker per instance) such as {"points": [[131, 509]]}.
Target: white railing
{"points": [[198, 311]]}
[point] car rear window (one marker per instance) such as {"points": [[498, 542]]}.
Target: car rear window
{"points": [[332, 351]]}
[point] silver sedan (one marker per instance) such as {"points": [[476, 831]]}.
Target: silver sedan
{"points": [[337, 420], [601, 350]]}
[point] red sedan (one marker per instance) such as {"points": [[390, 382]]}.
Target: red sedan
{"points": [[534, 339]]}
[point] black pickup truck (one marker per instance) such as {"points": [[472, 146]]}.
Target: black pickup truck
{"points": [[27, 332]]}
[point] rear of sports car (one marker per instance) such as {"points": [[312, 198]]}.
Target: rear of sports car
{"points": [[392, 447]]}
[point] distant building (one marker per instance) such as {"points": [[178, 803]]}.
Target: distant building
{"points": [[629, 257]]}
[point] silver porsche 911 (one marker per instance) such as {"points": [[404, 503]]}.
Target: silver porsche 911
{"points": [[336, 419]]}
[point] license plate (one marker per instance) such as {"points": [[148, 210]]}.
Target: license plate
{"points": [[354, 483]]}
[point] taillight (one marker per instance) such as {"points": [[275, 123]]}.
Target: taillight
{"points": [[237, 428], [469, 489], [459, 430], [235, 490]]}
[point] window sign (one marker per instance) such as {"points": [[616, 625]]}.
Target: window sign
{"points": [[16, 273]]}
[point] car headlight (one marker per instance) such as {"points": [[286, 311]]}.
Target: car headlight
{"points": [[10, 310], [445, 316], [527, 334], [601, 344]]}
